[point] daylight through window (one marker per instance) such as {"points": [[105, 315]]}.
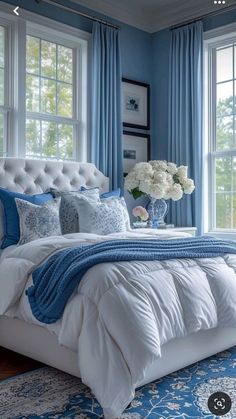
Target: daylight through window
{"points": [[223, 136], [49, 92], [2, 91], [43, 116]]}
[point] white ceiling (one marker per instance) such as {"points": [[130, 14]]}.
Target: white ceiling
{"points": [[153, 15]]}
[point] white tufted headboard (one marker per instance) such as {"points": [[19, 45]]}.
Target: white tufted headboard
{"points": [[36, 176]]}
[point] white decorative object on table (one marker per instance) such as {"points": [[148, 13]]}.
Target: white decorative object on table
{"points": [[142, 216], [159, 180]]}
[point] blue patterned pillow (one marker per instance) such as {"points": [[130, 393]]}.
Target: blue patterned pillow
{"points": [[37, 221], [69, 217], [122, 202], [11, 218], [100, 217]]}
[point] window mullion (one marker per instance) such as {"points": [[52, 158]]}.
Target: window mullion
{"points": [[6, 67], [41, 137], [57, 131], [214, 101], [56, 80], [40, 74], [212, 141], [234, 105], [224, 153], [51, 118], [10, 50], [5, 120], [82, 72], [20, 90], [231, 196]]}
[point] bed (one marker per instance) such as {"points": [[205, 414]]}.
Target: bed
{"points": [[40, 343]]}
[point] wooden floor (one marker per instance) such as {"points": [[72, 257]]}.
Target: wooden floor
{"points": [[12, 364]]}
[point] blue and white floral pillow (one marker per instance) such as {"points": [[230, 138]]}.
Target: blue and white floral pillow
{"points": [[37, 221], [100, 217], [69, 217], [119, 201]]}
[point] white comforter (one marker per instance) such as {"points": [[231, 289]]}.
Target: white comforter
{"points": [[123, 312]]}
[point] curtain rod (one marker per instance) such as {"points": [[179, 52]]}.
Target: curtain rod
{"points": [[214, 13], [86, 15]]}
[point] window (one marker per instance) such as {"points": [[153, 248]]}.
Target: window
{"points": [[49, 88], [3, 91], [221, 122], [49, 99], [2, 64]]}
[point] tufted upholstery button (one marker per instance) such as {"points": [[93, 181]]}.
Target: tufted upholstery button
{"points": [[35, 176]]}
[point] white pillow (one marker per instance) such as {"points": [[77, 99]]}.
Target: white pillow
{"points": [[100, 218], [120, 201], [37, 221]]}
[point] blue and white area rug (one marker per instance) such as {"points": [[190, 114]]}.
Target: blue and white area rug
{"points": [[50, 394]]}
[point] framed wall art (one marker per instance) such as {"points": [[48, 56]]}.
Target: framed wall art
{"points": [[135, 104], [136, 149]]}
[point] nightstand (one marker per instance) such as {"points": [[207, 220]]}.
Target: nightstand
{"points": [[190, 230]]}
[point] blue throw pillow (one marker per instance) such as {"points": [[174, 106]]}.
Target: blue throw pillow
{"points": [[112, 194], [11, 217]]}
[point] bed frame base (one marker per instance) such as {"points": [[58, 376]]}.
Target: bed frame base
{"points": [[38, 343]]}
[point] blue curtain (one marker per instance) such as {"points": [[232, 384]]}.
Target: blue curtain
{"points": [[185, 119], [106, 125]]}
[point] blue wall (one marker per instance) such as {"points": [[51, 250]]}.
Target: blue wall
{"points": [[160, 73]]}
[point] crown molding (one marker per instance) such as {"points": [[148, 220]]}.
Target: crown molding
{"points": [[148, 15], [123, 11], [152, 16], [220, 34]]}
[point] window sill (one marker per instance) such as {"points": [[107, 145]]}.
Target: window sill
{"points": [[221, 234]]}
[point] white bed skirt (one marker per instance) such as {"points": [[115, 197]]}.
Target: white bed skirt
{"points": [[37, 343]]}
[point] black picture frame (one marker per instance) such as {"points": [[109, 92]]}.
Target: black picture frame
{"points": [[134, 154], [145, 119]]}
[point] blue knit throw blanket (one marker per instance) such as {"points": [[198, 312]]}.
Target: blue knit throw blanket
{"points": [[56, 279]]}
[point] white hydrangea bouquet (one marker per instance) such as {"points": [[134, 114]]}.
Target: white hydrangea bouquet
{"points": [[159, 179]]}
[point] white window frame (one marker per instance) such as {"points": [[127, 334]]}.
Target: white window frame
{"points": [[213, 39], [36, 25], [7, 109]]}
